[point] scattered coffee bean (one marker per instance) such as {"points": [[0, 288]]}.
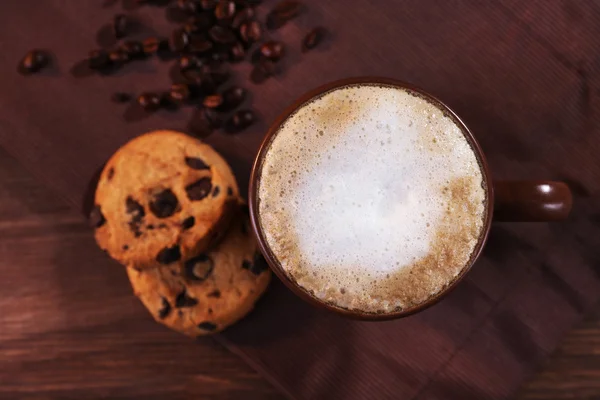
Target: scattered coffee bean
{"points": [[189, 61], [169, 255], [313, 38], [208, 5], [207, 326], [233, 97], [120, 25], [242, 16], [196, 163], [153, 45], [120, 97], [225, 10], [179, 93], [199, 44], [34, 61], [239, 121], [198, 268], [179, 40], [98, 59], [188, 223], [183, 300], [165, 309], [96, 217], [272, 50], [250, 32], [118, 58], [221, 35], [262, 71], [200, 124], [133, 49], [164, 204], [282, 13], [199, 189], [188, 6], [169, 103], [199, 23], [213, 101], [237, 53], [218, 58], [219, 76], [149, 101]]}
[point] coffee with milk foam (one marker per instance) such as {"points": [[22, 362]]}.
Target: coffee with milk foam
{"points": [[371, 198]]}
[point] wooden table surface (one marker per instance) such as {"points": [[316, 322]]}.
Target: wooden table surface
{"points": [[71, 329]]}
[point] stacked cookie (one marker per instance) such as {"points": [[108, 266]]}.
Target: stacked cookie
{"points": [[167, 207]]}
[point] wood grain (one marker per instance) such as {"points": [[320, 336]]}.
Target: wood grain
{"points": [[70, 326]]}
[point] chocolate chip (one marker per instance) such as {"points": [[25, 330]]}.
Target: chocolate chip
{"points": [[196, 163], [198, 268], [256, 266], [207, 326], [229, 191], [183, 300], [150, 227], [199, 189], [164, 204], [125, 247], [165, 309], [134, 209], [110, 173], [188, 223], [216, 294], [216, 191], [169, 255], [313, 38], [96, 217]]}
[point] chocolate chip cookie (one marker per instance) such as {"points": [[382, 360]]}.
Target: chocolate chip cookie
{"points": [[161, 198], [210, 291]]}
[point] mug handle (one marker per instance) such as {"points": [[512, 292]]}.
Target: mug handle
{"points": [[531, 201]]}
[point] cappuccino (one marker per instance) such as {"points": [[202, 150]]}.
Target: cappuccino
{"points": [[371, 198]]}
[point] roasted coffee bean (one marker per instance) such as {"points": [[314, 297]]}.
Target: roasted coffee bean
{"points": [[165, 309], [168, 255], [242, 16], [262, 71], [149, 101], [212, 101], [221, 35], [133, 49], [239, 121], [188, 223], [219, 76], [153, 45], [179, 40], [250, 32], [200, 82], [179, 93], [199, 189], [313, 38], [272, 50], [98, 59], [196, 163], [199, 44], [96, 217], [183, 300], [120, 25], [120, 97], [118, 58], [198, 268], [189, 61], [207, 326], [218, 58], [198, 23], [237, 53], [282, 13], [208, 5], [164, 204], [225, 10], [33, 61], [232, 98]]}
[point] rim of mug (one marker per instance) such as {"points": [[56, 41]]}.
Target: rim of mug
{"points": [[254, 185]]}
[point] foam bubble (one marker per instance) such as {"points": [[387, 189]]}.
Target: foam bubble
{"points": [[383, 198]]}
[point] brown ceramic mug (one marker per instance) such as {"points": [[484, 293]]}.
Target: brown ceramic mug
{"points": [[517, 201]]}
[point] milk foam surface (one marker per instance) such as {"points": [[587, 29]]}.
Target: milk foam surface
{"points": [[371, 198]]}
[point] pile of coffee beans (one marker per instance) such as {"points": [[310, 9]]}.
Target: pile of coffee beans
{"points": [[211, 34]]}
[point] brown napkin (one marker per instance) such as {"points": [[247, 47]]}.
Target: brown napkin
{"points": [[523, 75]]}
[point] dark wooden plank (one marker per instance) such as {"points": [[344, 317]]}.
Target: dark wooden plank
{"points": [[70, 326], [573, 372]]}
